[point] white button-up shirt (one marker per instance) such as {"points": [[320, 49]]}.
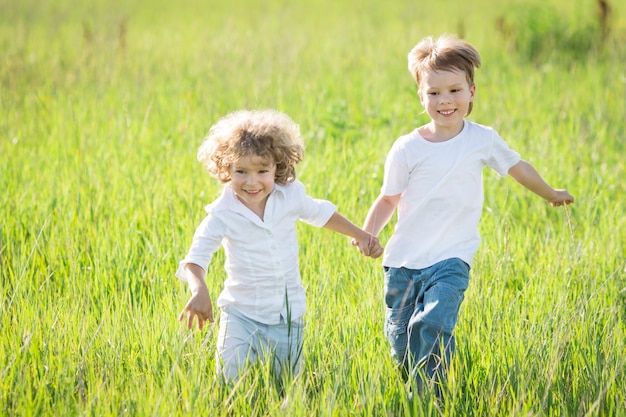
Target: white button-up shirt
{"points": [[263, 276]]}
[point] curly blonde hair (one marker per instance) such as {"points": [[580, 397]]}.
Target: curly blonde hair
{"points": [[448, 53], [270, 134]]}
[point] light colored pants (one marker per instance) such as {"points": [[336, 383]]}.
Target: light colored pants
{"points": [[242, 342]]}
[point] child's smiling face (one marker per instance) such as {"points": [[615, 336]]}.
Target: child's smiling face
{"points": [[252, 180], [446, 96]]}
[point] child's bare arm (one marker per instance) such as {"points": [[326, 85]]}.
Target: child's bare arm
{"points": [[199, 304], [525, 174], [368, 244], [380, 213]]}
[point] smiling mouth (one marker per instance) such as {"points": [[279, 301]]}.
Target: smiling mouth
{"points": [[252, 193], [446, 112]]}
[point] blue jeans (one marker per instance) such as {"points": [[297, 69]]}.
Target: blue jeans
{"points": [[422, 310]]}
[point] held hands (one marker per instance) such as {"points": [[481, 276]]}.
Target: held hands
{"points": [[369, 246], [199, 305]]}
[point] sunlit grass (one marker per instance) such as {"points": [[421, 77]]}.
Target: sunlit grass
{"points": [[103, 107]]}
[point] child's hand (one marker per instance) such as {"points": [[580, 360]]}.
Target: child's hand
{"points": [[199, 305], [562, 198], [369, 247], [375, 249]]}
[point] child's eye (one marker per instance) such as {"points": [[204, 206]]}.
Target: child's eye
{"points": [[433, 93], [240, 171]]}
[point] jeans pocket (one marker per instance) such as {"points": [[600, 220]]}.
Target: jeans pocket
{"points": [[396, 322], [399, 289]]}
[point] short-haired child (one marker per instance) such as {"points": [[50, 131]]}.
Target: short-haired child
{"points": [[433, 177]]}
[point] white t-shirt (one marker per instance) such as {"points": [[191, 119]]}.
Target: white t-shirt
{"points": [[261, 255], [442, 194]]}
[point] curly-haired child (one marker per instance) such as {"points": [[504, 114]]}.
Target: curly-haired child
{"points": [[254, 153]]}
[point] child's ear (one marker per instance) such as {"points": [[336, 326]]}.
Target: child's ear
{"points": [[472, 92]]}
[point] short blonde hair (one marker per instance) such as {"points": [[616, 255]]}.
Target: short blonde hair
{"points": [[448, 53], [270, 134]]}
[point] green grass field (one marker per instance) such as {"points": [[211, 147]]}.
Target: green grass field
{"points": [[103, 105]]}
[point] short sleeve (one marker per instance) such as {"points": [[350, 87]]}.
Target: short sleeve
{"points": [[501, 157], [396, 176], [313, 211]]}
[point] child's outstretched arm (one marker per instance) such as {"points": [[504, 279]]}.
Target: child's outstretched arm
{"points": [[525, 174], [199, 305], [368, 244], [379, 215]]}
